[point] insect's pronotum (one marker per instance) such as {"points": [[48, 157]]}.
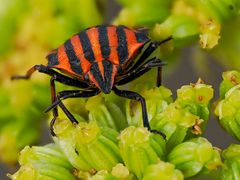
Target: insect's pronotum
{"points": [[99, 59]]}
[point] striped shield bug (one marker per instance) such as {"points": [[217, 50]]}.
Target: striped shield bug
{"points": [[99, 59]]}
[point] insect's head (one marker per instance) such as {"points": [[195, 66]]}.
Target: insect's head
{"points": [[102, 75]]}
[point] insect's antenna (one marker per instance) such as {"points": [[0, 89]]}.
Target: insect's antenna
{"points": [[165, 40]]}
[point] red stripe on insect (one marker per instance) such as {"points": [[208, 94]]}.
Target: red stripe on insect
{"points": [[113, 44], [94, 40], [101, 69], [132, 43], [77, 46], [63, 60]]}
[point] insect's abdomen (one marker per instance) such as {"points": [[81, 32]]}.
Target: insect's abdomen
{"points": [[117, 44]]}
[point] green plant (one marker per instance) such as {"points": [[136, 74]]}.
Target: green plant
{"points": [[110, 142], [95, 149]]}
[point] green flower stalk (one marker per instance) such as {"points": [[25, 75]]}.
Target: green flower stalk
{"points": [[87, 146], [228, 111], [191, 20], [140, 148], [195, 156], [209, 15], [228, 56], [46, 162], [162, 170], [174, 122], [106, 113], [157, 99], [230, 170], [183, 29], [220, 10]]}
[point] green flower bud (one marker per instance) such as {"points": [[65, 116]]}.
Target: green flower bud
{"points": [[46, 162], [194, 156], [210, 34], [230, 79], [120, 171], [106, 113], [230, 170], [162, 170], [228, 111], [233, 151], [174, 122], [157, 99], [87, 146], [139, 148], [195, 93], [196, 98]]}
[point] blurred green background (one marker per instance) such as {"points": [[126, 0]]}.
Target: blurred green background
{"points": [[206, 42]]}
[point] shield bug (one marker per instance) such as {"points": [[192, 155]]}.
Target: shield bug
{"points": [[99, 59]]}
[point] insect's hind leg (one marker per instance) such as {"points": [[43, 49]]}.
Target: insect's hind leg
{"points": [[30, 72], [58, 76], [138, 97], [53, 99]]}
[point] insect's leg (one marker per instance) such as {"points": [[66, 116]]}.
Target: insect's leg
{"points": [[138, 97], [135, 73], [58, 101], [68, 113], [159, 77], [58, 77], [72, 94], [29, 73], [53, 99], [147, 52]]}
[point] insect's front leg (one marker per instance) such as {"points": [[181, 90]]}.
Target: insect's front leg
{"points": [[65, 95], [135, 73]]}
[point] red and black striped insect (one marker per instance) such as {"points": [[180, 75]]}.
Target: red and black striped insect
{"points": [[99, 59]]}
